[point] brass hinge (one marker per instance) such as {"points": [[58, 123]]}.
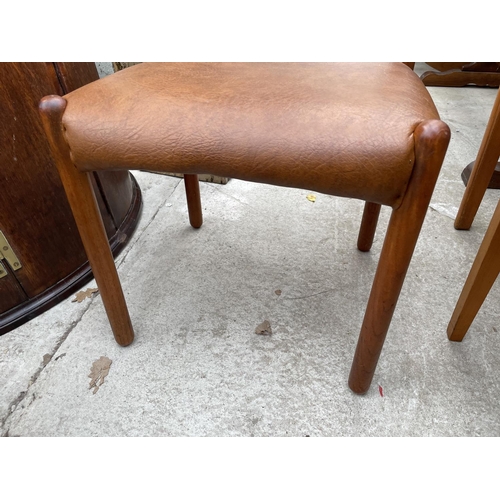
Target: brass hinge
{"points": [[6, 253]]}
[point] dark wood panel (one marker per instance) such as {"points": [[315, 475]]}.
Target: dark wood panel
{"points": [[31, 191], [11, 292], [117, 191], [446, 66], [74, 75], [481, 74], [51, 296], [107, 219]]}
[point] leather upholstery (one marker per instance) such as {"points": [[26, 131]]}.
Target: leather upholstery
{"points": [[336, 128]]}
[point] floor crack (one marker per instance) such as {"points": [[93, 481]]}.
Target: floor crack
{"points": [[311, 295], [13, 405], [128, 248]]}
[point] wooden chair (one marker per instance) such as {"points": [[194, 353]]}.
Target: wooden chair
{"points": [[486, 266], [482, 170], [366, 131]]}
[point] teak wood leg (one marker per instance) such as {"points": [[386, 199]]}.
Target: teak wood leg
{"points": [[431, 142], [368, 226], [88, 219], [482, 275], [484, 166], [192, 185]]}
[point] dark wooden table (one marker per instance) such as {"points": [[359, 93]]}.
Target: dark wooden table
{"points": [[460, 74]]}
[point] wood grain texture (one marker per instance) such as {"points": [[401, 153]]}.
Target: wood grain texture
{"points": [[116, 191], [369, 221], [35, 193], [11, 293], [484, 166], [446, 66], [482, 275], [431, 142], [459, 78], [74, 75], [192, 187]]}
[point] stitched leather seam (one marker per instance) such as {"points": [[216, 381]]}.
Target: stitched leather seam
{"points": [[400, 199], [65, 137]]}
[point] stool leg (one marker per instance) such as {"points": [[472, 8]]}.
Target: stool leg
{"points": [[482, 275], [431, 142], [88, 219], [368, 226], [192, 186]]}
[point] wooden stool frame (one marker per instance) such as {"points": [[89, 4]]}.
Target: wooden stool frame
{"points": [[431, 141]]}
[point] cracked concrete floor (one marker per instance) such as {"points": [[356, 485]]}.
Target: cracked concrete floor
{"points": [[197, 368]]}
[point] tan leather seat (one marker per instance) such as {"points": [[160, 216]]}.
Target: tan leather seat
{"points": [[369, 131], [323, 127]]}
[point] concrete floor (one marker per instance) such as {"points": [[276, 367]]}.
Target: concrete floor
{"points": [[197, 368]]}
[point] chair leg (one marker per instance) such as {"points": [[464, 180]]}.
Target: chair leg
{"points": [[484, 166], [431, 142], [82, 201], [368, 226], [482, 275], [192, 185]]}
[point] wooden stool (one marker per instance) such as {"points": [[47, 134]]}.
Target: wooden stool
{"points": [[366, 131]]}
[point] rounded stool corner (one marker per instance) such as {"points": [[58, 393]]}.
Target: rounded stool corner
{"points": [[52, 106]]}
